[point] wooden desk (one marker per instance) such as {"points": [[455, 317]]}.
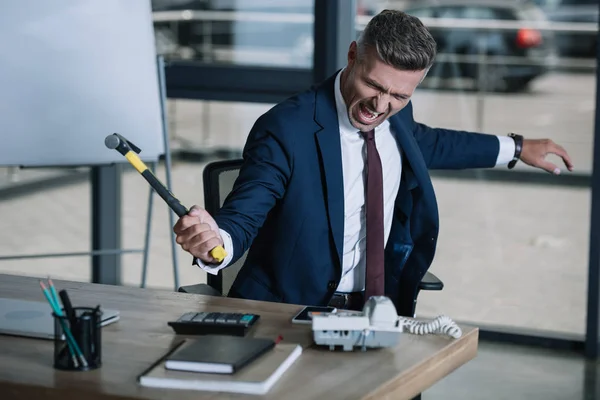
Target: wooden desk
{"points": [[142, 335]]}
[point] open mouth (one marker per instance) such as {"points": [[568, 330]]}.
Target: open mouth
{"points": [[367, 116]]}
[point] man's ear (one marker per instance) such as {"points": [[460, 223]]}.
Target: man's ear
{"points": [[352, 52]]}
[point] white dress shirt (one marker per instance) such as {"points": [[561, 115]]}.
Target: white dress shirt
{"points": [[353, 161]]}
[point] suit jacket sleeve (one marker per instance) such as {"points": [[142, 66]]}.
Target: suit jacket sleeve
{"points": [[453, 149], [261, 182]]}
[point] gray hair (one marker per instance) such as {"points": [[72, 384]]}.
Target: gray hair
{"points": [[400, 40]]}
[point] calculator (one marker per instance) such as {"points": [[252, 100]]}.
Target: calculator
{"points": [[214, 323]]}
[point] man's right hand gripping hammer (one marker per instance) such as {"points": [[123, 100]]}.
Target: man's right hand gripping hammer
{"points": [[198, 234]]}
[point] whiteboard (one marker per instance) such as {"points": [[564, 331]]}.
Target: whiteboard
{"points": [[73, 72]]}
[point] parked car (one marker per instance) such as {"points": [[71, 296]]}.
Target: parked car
{"points": [[271, 42], [573, 44], [529, 52]]}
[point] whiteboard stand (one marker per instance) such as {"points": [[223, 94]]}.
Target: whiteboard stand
{"points": [[165, 127]]}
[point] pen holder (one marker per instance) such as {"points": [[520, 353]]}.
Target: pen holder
{"points": [[78, 343]]}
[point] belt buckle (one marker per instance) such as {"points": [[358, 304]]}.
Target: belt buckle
{"points": [[346, 299]]}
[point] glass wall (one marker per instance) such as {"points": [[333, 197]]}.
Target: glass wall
{"points": [[239, 32], [513, 246], [233, 35]]}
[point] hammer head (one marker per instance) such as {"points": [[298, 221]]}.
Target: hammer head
{"points": [[119, 143]]}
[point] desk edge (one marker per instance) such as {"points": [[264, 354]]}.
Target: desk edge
{"points": [[411, 383]]}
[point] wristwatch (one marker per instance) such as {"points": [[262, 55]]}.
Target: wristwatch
{"points": [[518, 147]]}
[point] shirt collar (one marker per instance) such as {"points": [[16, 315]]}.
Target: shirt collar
{"points": [[342, 110]]}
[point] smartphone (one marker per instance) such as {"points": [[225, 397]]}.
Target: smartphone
{"points": [[305, 315]]}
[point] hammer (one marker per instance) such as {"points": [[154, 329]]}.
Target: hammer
{"points": [[131, 151]]}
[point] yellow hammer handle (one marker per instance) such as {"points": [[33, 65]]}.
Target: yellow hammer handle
{"points": [[218, 252]]}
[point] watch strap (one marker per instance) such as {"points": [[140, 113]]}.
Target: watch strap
{"points": [[518, 148]]}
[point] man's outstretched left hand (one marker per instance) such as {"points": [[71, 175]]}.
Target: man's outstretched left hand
{"points": [[534, 153]]}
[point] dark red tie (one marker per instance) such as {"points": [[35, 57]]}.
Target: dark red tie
{"points": [[374, 282]]}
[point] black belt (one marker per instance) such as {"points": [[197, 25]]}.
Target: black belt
{"points": [[348, 301]]}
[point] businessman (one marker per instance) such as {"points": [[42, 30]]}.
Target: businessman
{"points": [[334, 201]]}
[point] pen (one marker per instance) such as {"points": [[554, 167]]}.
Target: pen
{"points": [[68, 307]]}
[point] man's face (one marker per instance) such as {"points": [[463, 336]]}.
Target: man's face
{"points": [[374, 91]]}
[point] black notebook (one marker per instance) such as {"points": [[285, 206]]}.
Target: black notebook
{"points": [[219, 354]]}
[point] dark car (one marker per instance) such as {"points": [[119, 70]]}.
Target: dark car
{"points": [[515, 56], [573, 44]]}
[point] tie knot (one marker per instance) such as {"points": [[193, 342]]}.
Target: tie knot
{"points": [[370, 135]]}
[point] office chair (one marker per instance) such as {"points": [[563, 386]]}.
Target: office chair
{"points": [[219, 177]]}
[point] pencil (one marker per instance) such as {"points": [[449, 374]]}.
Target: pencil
{"points": [[54, 294]]}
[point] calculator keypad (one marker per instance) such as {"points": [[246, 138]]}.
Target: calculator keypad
{"points": [[218, 318]]}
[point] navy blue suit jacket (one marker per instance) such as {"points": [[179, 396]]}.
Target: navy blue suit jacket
{"points": [[287, 205]]}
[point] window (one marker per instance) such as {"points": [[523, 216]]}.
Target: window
{"points": [[421, 12], [243, 32]]}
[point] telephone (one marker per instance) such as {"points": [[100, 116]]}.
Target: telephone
{"points": [[378, 325]]}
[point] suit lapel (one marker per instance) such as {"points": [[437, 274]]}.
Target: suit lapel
{"points": [[414, 170], [330, 152]]}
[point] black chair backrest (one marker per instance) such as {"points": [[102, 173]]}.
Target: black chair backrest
{"points": [[219, 178]]}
